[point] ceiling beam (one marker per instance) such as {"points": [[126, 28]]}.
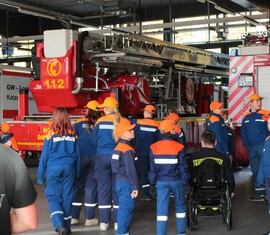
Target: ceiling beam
{"points": [[182, 24]]}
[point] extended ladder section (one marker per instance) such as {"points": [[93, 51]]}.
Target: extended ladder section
{"points": [[132, 49]]}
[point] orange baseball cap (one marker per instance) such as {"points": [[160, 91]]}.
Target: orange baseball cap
{"points": [[93, 104], [109, 102], [5, 127], [166, 126], [122, 128], [215, 105], [173, 116], [150, 108], [255, 97]]}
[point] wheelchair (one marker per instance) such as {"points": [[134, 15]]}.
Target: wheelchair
{"points": [[208, 190]]}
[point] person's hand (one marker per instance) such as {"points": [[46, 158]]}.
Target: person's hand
{"points": [[134, 193], [232, 195]]}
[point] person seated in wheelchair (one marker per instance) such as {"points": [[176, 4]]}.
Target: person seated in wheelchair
{"points": [[210, 171]]}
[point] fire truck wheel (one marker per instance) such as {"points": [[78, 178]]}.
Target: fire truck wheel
{"points": [[189, 90]]}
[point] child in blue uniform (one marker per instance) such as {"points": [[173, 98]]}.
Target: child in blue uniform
{"points": [[146, 133], [7, 138], [103, 134], [263, 177], [126, 185], [179, 133], [169, 171], [216, 124], [60, 163], [254, 132], [85, 185]]}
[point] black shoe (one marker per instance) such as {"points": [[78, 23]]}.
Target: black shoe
{"points": [[62, 230]]}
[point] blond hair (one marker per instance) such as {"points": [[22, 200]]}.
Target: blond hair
{"points": [[117, 117]]}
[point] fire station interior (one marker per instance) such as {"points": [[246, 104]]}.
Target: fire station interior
{"points": [[175, 54]]}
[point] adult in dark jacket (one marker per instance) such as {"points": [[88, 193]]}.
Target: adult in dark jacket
{"points": [[208, 142], [254, 132]]}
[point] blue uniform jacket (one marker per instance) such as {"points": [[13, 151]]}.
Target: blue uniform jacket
{"points": [[254, 129], [58, 151], [123, 164], [167, 162], [103, 133], [146, 133], [217, 125], [264, 169], [85, 138]]}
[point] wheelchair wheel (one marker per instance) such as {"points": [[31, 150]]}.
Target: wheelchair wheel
{"points": [[227, 215], [192, 220]]}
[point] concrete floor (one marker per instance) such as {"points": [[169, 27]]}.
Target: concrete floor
{"points": [[249, 218]]}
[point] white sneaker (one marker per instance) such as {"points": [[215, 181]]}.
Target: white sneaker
{"points": [[75, 221], [115, 226], [91, 222], [104, 226]]}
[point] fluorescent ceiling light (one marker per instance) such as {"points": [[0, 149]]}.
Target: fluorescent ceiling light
{"points": [[36, 14], [202, 1], [224, 10], [8, 5]]}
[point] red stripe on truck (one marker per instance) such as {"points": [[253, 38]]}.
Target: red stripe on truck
{"points": [[10, 113], [12, 73]]}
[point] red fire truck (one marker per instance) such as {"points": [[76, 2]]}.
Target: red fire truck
{"points": [[72, 68]]}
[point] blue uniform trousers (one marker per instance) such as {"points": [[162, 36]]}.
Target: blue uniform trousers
{"points": [[85, 186], [59, 193], [143, 167], [106, 188], [126, 207], [254, 157], [163, 196]]}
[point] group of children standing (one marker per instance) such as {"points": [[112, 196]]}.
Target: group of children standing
{"points": [[97, 155]]}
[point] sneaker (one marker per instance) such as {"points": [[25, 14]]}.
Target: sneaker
{"points": [[146, 198], [75, 221], [91, 222], [115, 226], [257, 198], [61, 230], [104, 226]]}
